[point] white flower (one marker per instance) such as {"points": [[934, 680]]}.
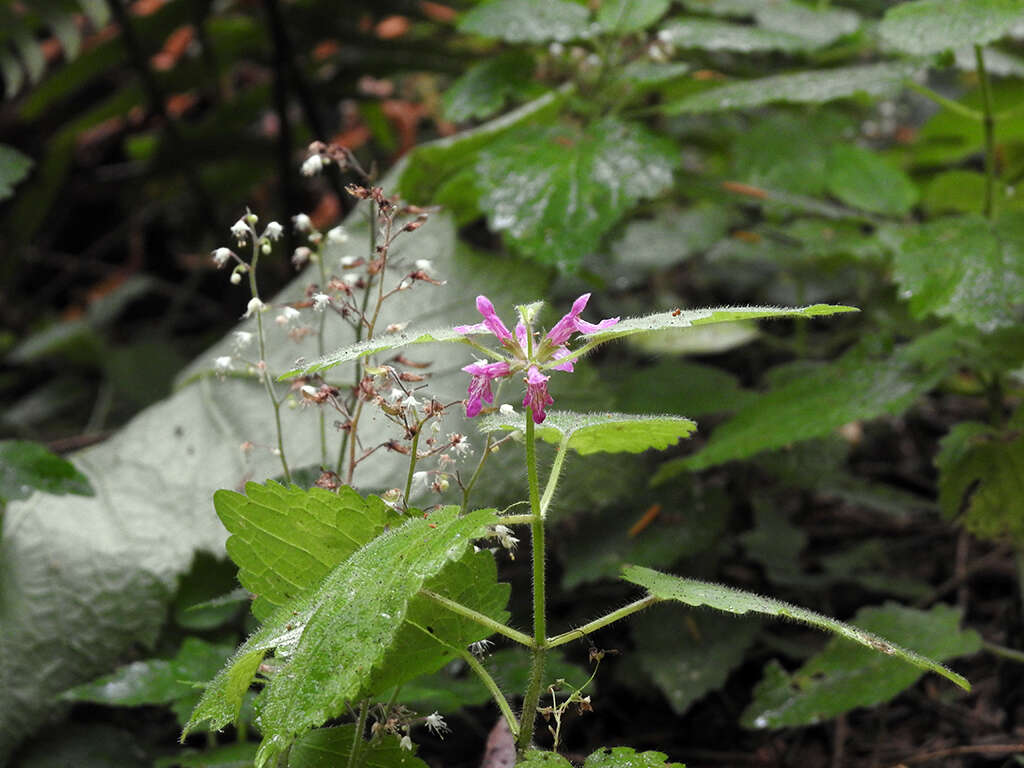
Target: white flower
{"points": [[273, 230], [309, 392], [405, 284], [397, 328], [460, 444], [405, 742], [301, 222], [337, 235], [287, 315], [254, 306], [505, 537], [240, 229], [424, 265], [221, 256], [396, 394], [420, 479], [320, 301], [300, 256], [347, 261], [222, 363], [507, 410], [242, 339], [410, 402], [350, 279], [437, 724], [312, 165], [479, 648]]}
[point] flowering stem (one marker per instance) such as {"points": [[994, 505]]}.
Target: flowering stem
{"points": [[482, 619], [604, 621], [412, 464], [556, 470], [539, 651]]}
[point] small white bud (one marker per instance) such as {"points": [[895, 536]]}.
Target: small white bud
{"points": [[243, 339], [254, 306], [424, 265], [507, 410], [251, 218], [320, 301], [222, 363], [337, 235], [312, 165], [300, 256], [405, 742], [301, 222], [266, 248], [350, 279], [347, 261], [405, 284], [287, 315], [236, 278], [309, 392], [396, 327], [221, 256], [273, 230]]}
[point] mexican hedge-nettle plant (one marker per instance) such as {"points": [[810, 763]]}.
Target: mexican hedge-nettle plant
{"points": [[360, 595]]}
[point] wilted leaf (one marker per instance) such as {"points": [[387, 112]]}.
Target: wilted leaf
{"points": [[846, 675]]}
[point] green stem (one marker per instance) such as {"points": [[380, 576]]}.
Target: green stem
{"points": [[516, 519], [539, 651], [604, 621], [495, 691], [357, 737], [321, 348], [556, 470], [476, 474], [990, 130], [938, 98], [412, 464], [1002, 651], [483, 620]]}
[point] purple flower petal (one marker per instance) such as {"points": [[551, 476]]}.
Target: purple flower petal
{"points": [[537, 397]]}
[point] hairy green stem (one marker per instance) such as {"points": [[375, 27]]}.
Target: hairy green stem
{"points": [[483, 620], [468, 489], [988, 122], [495, 691], [556, 470], [357, 737], [412, 464], [604, 621], [938, 98], [531, 698]]}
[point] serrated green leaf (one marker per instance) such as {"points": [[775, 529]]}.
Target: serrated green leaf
{"points": [[862, 179], [854, 387], [538, 758], [816, 87], [484, 88], [332, 747], [554, 191], [932, 26], [686, 318], [980, 479], [967, 268], [627, 757], [286, 540], [711, 35], [157, 681], [623, 16], [730, 600], [328, 641], [687, 662], [845, 676], [601, 432], [14, 166], [26, 467], [528, 21]]}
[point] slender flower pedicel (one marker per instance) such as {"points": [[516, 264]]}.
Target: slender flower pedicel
{"points": [[524, 354]]}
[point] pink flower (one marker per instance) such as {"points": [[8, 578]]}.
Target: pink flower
{"points": [[537, 397], [491, 322], [571, 323], [480, 385]]}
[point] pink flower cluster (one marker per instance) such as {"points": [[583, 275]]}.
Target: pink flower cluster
{"points": [[525, 353]]}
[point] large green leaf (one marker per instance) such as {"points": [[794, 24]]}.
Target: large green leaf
{"points": [[286, 540], [27, 467], [554, 191], [967, 268], [624, 16], [711, 35], [588, 433], [484, 88], [528, 21], [981, 470], [627, 757], [158, 681], [327, 641], [814, 404], [698, 593], [332, 747], [846, 675], [860, 178], [932, 26], [814, 87]]}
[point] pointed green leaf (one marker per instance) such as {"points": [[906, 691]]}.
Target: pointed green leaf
{"points": [[528, 21], [932, 26], [967, 268], [820, 25], [372, 347], [329, 640], [711, 35], [686, 318], [554, 191], [722, 598], [875, 80], [595, 432], [626, 757], [624, 16], [483, 89], [332, 747], [981, 477], [285, 540], [860, 178], [26, 467], [845, 676]]}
